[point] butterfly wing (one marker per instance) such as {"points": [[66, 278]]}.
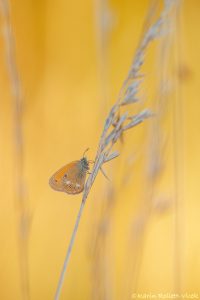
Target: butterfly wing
{"points": [[69, 179]]}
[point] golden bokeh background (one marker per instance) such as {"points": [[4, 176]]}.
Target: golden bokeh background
{"points": [[72, 58]]}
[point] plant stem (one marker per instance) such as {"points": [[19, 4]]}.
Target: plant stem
{"points": [[69, 251]]}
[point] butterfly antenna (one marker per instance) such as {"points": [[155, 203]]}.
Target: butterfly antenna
{"points": [[85, 152]]}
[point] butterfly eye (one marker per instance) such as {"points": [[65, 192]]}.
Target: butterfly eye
{"points": [[65, 176]]}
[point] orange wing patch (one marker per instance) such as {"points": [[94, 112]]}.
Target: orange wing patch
{"points": [[68, 179]]}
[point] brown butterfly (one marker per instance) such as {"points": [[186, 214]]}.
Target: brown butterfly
{"points": [[71, 178]]}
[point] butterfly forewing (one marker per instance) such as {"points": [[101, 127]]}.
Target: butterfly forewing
{"points": [[69, 179]]}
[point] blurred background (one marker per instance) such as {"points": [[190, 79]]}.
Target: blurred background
{"points": [[62, 66]]}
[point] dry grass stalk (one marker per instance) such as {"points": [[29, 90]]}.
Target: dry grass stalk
{"points": [[115, 126], [100, 247], [156, 163], [16, 90]]}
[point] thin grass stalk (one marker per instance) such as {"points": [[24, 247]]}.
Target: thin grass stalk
{"points": [[155, 163], [101, 244], [16, 90], [111, 135]]}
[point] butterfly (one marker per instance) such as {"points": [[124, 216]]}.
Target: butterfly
{"points": [[71, 178]]}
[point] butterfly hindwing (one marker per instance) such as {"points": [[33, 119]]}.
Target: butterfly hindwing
{"points": [[69, 179]]}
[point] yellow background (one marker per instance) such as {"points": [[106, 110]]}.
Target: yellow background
{"points": [[68, 85]]}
